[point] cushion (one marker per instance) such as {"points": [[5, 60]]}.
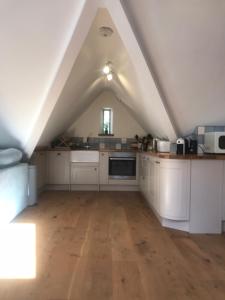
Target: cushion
{"points": [[10, 157]]}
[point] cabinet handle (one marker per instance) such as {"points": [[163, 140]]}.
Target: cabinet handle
{"points": [[95, 169], [58, 154], [157, 162]]}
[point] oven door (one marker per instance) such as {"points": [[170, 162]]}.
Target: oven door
{"points": [[122, 168]]}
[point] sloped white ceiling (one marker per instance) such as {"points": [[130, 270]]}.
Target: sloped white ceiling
{"points": [[33, 37], [184, 43], [51, 64], [86, 81], [47, 78]]}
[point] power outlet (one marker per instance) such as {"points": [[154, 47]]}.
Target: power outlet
{"points": [[123, 140], [201, 130]]}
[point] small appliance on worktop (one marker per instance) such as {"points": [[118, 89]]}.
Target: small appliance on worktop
{"points": [[215, 142], [186, 146]]}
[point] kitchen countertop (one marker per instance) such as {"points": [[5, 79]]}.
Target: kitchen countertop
{"points": [[154, 154], [187, 156], [83, 149]]}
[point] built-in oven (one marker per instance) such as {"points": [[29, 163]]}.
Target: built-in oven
{"points": [[122, 165]]}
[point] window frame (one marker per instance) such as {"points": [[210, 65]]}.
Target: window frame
{"points": [[110, 128]]}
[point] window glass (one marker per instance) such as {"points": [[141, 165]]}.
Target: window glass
{"points": [[107, 120]]}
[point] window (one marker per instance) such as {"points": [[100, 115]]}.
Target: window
{"points": [[107, 121]]}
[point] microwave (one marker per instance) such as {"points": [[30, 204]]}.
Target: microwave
{"points": [[215, 142]]}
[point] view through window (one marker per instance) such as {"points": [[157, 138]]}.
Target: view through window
{"points": [[107, 120]]}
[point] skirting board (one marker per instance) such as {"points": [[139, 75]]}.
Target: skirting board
{"points": [[110, 187], [57, 187], [91, 187], [172, 224]]}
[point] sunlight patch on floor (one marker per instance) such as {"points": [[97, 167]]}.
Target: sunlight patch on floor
{"points": [[18, 251]]}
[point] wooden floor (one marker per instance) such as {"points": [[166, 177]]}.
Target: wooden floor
{"points": [[109, 245]]}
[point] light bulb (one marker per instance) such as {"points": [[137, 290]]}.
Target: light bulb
{"points": [[106, 69], [109, 76]]}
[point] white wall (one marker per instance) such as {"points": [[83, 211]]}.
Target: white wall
{"points": [[89, 123], [33, 37], [184, 42]]}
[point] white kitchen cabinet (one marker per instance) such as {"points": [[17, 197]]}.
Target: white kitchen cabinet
{"points": [[156, 184], [206, 196], [174, 193], [223, 193], [141, 172], [84, 173], [145, 176], [103, 168], [39, 159], [58, 167], [166, 186], [151, 178]]}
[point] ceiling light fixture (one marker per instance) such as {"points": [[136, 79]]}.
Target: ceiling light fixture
{"points": [[105, 31], [109, 76], [106, 69]]}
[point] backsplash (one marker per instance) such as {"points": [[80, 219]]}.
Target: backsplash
{"points": [[200, 133], [108, 142]]}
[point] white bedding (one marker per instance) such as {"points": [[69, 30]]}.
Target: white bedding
{"points": [[10, 157], [13, 191]]}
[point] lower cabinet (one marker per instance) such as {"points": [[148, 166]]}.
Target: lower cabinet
{"points": [[84, 173], [103, 167], [39, 159], [165, 184], [223, 193], [206, 192], [58, 167], [174, 189]]}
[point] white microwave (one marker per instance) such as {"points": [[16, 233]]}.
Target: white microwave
{"points": [[215, 142]]}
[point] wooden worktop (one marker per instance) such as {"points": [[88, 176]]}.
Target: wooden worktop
{"points": [[187, 156], [154, 154]]}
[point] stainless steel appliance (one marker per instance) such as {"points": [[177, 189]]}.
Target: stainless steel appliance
{"points": [[122, 165], [163, 146], [215, 142]]}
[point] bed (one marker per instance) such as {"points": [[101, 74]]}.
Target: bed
{"points": [[13, 184]]}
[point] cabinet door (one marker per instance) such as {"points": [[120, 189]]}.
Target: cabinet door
{"points": [[151, 181], [206, 194], [144, 172], [156, 185], [148, 171], [40, 161], [175, 189], [223, 194], [141, 172], [103, 168], [84, 174], [58, 167]]}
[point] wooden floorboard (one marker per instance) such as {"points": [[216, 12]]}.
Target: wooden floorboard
{"points": [[110, 246]]}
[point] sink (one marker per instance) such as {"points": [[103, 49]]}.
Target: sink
{"points": [[84, 156]]}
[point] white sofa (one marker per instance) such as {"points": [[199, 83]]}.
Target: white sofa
{"points": [[13, 191]]}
